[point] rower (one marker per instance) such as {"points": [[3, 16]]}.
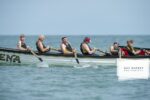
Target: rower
{"points": [[114, 49], [40, 45], [21, 44], [85, 48], [66, 47], [130, 48]]}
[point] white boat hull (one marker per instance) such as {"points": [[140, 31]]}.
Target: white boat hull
{"points": [[51, 60], [13, 56]]}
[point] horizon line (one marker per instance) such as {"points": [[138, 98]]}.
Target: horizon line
{"points": [[77, 34]]}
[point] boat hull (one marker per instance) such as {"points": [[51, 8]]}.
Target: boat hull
{"points": [[14, 56]]}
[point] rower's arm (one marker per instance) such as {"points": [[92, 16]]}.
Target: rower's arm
{"points": [[63, 49], [88, 49], [42, 48], [135, 52], [19, 46]]}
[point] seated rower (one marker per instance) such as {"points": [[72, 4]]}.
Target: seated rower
{"points": [[114, 49], [40, 45], [85, 48], [130, 48], [21, 44], [66, 47]]}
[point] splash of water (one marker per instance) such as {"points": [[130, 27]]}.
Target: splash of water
{"points": [[85, 66], [42, 64]]}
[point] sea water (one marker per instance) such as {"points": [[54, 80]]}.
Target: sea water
{"points": [[90, 82]]}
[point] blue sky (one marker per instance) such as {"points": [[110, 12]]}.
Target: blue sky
{"points": [[75, 17]]}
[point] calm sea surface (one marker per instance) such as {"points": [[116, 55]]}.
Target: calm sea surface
{"points": [[67, 82]]}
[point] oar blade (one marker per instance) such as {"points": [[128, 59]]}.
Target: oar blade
{"points": [[40, 59], [77, 61]]}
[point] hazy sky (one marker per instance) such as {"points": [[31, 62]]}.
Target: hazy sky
{"points": [[75, 17]]}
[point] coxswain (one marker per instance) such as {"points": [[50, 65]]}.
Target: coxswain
{"points": [[21, 44], [66, 46], [85, 48], [40, 45]]}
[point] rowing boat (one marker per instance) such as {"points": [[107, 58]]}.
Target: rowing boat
{"points": [[15, 56]]}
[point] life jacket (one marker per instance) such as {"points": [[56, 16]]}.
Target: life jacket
{"points": [[128, 53], [125, 51], [130, 50], [84, 52], [142, 53], [68, 47], [115, 53], [23, 45], [38, 48]]}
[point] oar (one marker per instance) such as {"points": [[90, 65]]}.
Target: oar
{"points": [[103, 52], [36, 55], [75, 54], [55, 49], [136, 48], [76, 58]]}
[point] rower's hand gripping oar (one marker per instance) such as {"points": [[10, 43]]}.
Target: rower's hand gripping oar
{"points": [[40, 59]]}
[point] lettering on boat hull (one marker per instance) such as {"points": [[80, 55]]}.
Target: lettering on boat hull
{"points": [[10, 58]]}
